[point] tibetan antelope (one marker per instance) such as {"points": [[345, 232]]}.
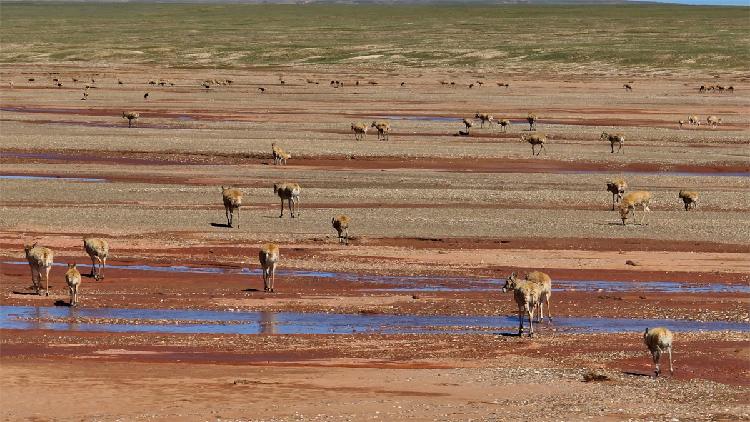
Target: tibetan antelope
{"points": [[468, 124], [98, 250], [383, 128], [694, 120], [628, 87], [269, 257], [288, 192], [713, 121], [532, 119], [526, 294], [617, 188], [360, 130], [132, 116], [73, 279], [483, 117], [659, 340], [279, 155], [615, 138], [534, 140], [504, 124], [545, 292], [40, 261], [689, 198], [341, 224], [232, 199], [634, 199]]}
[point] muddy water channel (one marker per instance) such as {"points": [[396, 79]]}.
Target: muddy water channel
{"points": [[226, 322]]}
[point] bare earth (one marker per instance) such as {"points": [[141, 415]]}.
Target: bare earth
{"points": [[442, 213]]}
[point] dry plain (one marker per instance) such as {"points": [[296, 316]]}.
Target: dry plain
{"points": [[439, 220]]}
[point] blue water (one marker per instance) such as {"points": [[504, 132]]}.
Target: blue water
{"points": [[224, 322], [440, 283]]}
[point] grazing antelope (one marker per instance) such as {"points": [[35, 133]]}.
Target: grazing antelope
{"points": [[689, 198], [628, 87], [634, 199], [526, 294], [468, 124], [694, 120], [98, 250], [659, 340], [341, 224], [504, 124], [383, 128], [483, 117], [232, 199], [713, 121], [534, 140], [279, 155], [269, 257], [730, 89], [145, 96], [531, 118], [261, 89], [616, 138], [288, 192], [40, 261], [702, 89], [617, 188], [132, 116], [360, 130], [73, 279]]}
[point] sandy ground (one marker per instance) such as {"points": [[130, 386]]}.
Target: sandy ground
{"points": [[453, 211]]}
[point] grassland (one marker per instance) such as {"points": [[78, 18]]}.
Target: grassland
{"points": [[612, 39]]}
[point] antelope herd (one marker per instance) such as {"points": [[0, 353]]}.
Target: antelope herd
{"points": [[530, 293]]}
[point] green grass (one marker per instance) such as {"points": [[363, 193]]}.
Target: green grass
{"points": [[630, 37]]}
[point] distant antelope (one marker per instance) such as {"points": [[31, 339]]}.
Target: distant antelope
{"points": [[713, 121], [659, 340], [615, 138], [483, 117], [85, 96], [261, 89], [532, 119], [98, 250], [617, 188], [730, 89], [403, 83], [689, 198], [360, 130], [504, 124], [534, 140], [681, 123], [526, 294], [694, 120], [702, 89], [232, 199], [40, 261], [468, 124], [130, 115], [145, 96], [383, 128], [503, 84], [269, 258], [341, 224], [634, 199], [628, 87], [288, 192], [279, 155], [73, 280]]}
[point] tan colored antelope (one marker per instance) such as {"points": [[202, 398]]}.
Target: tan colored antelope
{"points": [[288, 192], [617, 188], [360, 130], [504, 124], [526, 294], [659, 340], [98, 250], [232, 199], [545, 284], [713, 121], [689, 198], [132, 116], [269, 258], [681, 123], [383, 128], [341, 224], [694, 120], [532, 119], [615, 138], [73, 280], [534, 140], [483, 117], [628, 87], [40, 260], [279, 155], [469, 124], [634, 199]]}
